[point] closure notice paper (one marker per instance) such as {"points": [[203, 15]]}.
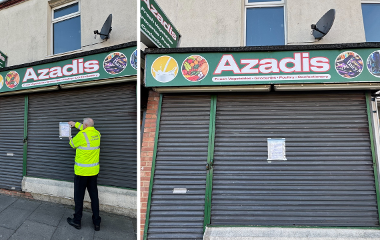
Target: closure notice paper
{"points": [[64, 129], [276, 149]]}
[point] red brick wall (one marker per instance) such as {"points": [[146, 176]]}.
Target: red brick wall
{"points": [[147, 149]]}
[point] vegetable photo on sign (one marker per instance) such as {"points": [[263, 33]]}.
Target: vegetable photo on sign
{"points": [[195, 68], [12, 79]]}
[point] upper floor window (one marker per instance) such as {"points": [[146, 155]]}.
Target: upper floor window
{"points": [[371, 20], [264, 24], [66, 28]]}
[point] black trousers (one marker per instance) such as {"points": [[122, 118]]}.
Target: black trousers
{"points": [[80, 185]]}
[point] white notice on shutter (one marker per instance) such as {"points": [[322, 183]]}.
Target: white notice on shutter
{"points": [[179, 190], [64, 129], [276, 149]]}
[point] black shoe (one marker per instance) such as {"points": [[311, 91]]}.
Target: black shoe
{"points": [[97, 228], [72, 223]]}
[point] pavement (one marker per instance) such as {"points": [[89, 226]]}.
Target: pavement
{"points": [[27, 219]]}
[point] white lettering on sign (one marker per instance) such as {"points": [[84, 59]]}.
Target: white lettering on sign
{"points": [[60, 80], [300, 62], [270, 78], [166, 25], [76, 67]]}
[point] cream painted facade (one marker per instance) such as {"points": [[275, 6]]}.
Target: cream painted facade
{"points": [[221, 23], [26, 28]]}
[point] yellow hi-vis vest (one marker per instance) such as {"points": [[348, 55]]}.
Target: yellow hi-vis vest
{"points": [[87, 145]]}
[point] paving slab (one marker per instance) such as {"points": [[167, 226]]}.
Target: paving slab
{"points": [[26, 204], [33, 231], [134, 223], [66, 232], [13, 218], [116, 228], [6, 201], [47, 213], [25, 219], [5, 233]]}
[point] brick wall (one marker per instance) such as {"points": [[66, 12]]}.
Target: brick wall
{"points": [[147, 154]]}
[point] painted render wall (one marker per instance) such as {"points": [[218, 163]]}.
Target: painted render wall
{"points": [[347, 28], [219, 23], [26, 27], [208, 23]]}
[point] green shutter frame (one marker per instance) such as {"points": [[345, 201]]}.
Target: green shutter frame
{"points": [[210, 161], [25, 154], [370, 127]]}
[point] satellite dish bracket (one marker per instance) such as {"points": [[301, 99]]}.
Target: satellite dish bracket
{"points": [[313, 26], [96, 32]]}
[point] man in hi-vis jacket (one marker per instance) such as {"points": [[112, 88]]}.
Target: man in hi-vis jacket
{"points": [[87, 145]]}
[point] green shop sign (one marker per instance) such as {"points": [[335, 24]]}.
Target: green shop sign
{"points": [[113, 64], [3, 60], [244, 68], [156, 26]]}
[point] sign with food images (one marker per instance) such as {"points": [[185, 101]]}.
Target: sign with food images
{"points": [[113, 64], [3, 60], [244, 68], [156, 26]]}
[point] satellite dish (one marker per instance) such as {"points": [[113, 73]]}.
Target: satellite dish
{"points": [[324, 24], [106, 29]]}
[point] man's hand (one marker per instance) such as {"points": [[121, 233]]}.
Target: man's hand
{"points": [[70, 138], [72, 124]]}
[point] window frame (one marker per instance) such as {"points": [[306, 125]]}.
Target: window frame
{"points": [[281, 3], [61, 19], [368, 2]]}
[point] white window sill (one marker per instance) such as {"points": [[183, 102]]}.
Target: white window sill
{"points": [[64, 54]]}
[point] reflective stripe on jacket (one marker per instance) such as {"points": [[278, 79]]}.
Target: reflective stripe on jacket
{"points": [[87, 145]]}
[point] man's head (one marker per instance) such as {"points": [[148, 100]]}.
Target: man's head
{"points": [[87, 122]]}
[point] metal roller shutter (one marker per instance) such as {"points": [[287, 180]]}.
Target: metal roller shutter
{"points": [[11, 141], [328, 178], [180, 163], [113, 108]]}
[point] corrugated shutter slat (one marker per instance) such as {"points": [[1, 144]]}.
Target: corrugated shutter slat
{"points": [[180, 163], [327, 179], [113, 109], [11, 141]]}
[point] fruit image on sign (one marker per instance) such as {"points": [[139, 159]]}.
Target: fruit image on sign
{"points": [[195, 68], [349, 64], [1, 81], [373, 63], [12, 79], [164, 69], [115, 63]]}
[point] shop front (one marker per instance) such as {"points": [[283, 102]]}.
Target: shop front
{"points": [[36, 97], [263, 137]]}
